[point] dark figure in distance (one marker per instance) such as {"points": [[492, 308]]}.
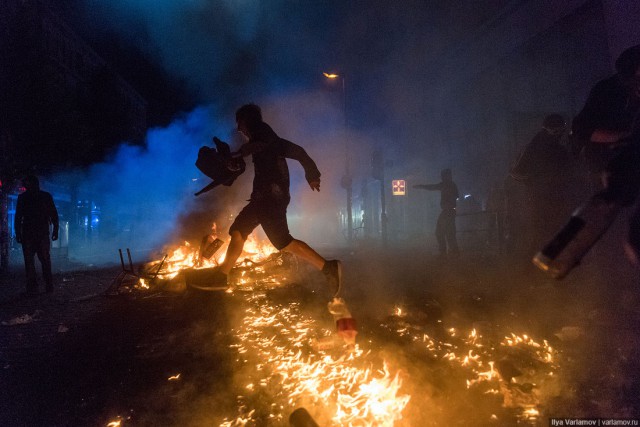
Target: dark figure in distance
{"points": [[35, 213], [270, 196], [446, 226], [543, 167]]}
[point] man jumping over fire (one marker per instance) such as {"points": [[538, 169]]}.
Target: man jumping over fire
{"points": [[270, 197]]}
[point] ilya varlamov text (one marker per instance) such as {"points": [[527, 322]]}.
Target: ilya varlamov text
{"points": [[593, 422]]}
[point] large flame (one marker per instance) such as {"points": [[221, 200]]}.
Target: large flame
{"points": [[187, 255]]}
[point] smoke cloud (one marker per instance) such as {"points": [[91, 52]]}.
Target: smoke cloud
{"points": [[273, 54], [146, 193]]}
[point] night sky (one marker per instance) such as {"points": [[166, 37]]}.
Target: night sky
{"points": [[228, 52]]}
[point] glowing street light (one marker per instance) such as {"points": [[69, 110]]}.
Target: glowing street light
{"points": [[346, 179]]}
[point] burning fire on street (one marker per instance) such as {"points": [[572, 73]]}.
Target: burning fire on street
{"points": [[288, 359], [338, 387]]}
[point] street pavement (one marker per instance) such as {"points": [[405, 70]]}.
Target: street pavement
{"points": [[77, 357]]}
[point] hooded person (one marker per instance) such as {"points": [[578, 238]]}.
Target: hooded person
{"points": [[270, 197]]}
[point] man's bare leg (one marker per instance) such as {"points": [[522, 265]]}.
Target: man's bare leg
{"points": [[236, 244], [331, 269], [304, 251]]}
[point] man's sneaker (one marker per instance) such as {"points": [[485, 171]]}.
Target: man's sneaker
{"points": [[332, 270], [214, 281]]}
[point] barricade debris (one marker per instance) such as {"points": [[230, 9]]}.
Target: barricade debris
{"points": [[23, 319]]}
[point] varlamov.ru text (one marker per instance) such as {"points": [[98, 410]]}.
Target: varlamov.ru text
{"points": [[593, 422]]}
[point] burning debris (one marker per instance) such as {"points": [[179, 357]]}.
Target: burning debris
{"points": [[288, 359], [519, 370], [187, 264]]}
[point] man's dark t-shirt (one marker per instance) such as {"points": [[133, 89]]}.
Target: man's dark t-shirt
{"points": [[269, 151]]}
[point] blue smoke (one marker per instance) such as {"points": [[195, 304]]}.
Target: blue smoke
{"points": [[143, 190]]}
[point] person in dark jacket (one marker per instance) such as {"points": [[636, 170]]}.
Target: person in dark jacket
{"points": [[270, 196], [35, 214], [446, 225], [610, 113], [608, 130], [543, 168]]}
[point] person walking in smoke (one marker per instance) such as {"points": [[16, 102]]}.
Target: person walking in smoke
{"points": [[35, 213], [446, 225], [542, 168], [270, 197]]}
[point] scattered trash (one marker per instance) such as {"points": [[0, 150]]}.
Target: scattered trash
{"points": [[570, 333], [345, 323], [24, 319], [301, 418]]}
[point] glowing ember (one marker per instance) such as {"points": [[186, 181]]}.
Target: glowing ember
{"points": [[343, 389], [516, 368]]}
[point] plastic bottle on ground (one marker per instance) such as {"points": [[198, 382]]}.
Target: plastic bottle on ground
{"points": [[345, 323]]}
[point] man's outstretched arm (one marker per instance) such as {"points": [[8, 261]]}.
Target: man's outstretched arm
{"points": [[311, 172], [428, 186], [53, 217]]}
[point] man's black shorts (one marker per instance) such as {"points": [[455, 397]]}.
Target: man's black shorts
{"points": [[271, 214]]}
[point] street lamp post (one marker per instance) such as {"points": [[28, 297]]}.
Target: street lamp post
{"points": [[347, 179]]}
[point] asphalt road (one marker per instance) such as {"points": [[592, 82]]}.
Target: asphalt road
{"points": [[80, 358]]}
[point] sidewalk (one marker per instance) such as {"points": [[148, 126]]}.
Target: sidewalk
{"points": [[76, 357], [29, 323]]}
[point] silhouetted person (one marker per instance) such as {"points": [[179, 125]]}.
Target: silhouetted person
{"points": [[270, 196], [608, 126], [543, 168], [35, 213], [609, 114], [446, 226]]}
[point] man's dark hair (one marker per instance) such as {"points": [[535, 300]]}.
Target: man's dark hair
{"points": [[628, 62], [250, 113], [31, 182]]}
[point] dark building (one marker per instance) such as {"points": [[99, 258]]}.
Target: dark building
{"points": [[61, 104], [60, 98]]}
